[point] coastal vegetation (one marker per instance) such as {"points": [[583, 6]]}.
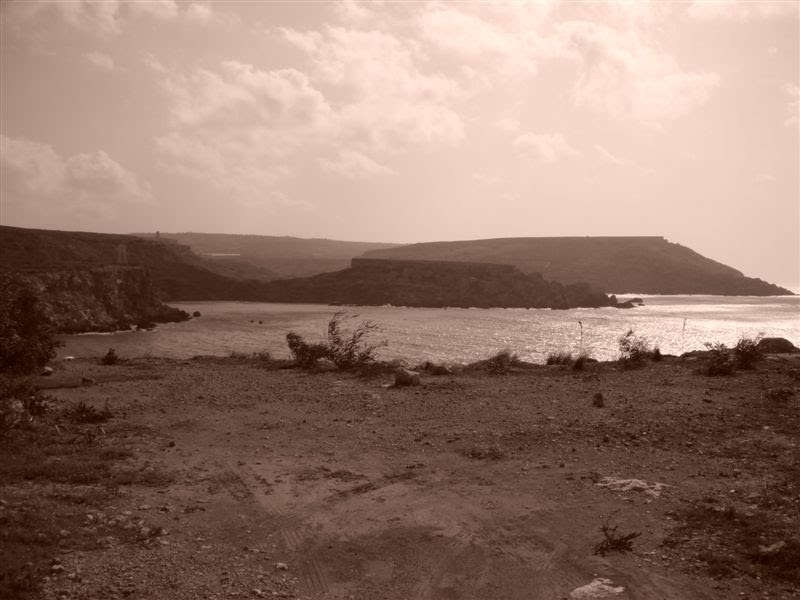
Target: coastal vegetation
{"points": [[344, 348], [27, 341], [725, 361]]}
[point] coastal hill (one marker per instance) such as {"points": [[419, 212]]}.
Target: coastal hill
{"points": [[97, 281], [266, 257], [176, 272], [434, 284], [645, 265]]}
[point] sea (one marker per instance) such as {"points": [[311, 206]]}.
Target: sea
{"points": [[675, 324]]}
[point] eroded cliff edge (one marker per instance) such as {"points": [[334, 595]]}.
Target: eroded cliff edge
{"points": [[107, 298]]}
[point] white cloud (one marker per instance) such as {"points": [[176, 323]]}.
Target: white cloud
{"points": [[158, 9], [98, 16], [201, 13], [471, 37], [547, 148], [352, 11], [624, 75], [152, 62], [389, 100], [507, 124], [487, 178], [241, 96], [354, 165], [35, 174], [739, 10], [108, 17], [100, 60], [609, 158], [764, 178], [236, 127], [792, 91], [204, 14]]}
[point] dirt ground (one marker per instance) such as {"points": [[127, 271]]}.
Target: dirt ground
{"points": [[220, 478]]}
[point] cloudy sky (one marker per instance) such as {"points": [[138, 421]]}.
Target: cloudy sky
{"points": [[409, 122]]}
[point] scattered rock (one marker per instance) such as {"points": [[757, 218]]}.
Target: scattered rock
{"points": [[324, 365], [598, 589], [771, 549], [196, 313], [88, 381], [632, 485], [281, 566], [598, 401], [776, 345], [404, 377], [46, 371]]}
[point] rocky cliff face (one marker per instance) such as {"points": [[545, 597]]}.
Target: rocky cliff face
{"points": [[99, 299]]}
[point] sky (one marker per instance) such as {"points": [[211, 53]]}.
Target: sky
{"points": [[409, 121]]}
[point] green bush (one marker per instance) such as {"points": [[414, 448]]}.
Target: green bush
{"points": [[20, 402], [634, 350], [720, 360], [348, 349], [580, 361], [559, 358], [303, 353], [746, 352], [27, 341], [110, 358], [81, 412]]}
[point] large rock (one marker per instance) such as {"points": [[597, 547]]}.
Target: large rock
{"points": [[404, 377], [324, 365], [776, 345]]}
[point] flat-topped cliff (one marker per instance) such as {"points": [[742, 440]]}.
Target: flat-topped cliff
{"points": [[434, 284], [647, 265]]}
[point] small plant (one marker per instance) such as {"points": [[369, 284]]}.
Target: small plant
{"points": [[303, 353], [655, 355], [580, 361], [633, 350], [746, 352], [110, 358], [20, 403], [348, 349], [86, 413], [559, 358], [720, 361], [432, 368], [613, 541], [491, 452], [501, 362]]}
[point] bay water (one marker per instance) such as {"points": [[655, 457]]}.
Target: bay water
{"points": [[675, 324]]}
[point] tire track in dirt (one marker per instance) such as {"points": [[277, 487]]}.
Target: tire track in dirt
{"points": [[455, 546], [288, 524]]}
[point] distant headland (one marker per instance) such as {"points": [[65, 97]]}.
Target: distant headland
{"points": [[103, 281]]}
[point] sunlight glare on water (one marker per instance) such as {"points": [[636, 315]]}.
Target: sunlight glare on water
{"points": [[459, 335]]}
